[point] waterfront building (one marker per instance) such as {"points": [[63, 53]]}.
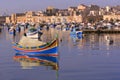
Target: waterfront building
{"points": [[81, 13], [17, 18], [94, 10], [51, 11], [32, 17], [2, 19], [108, 8], [81, 7], [111, 16], [8, 19], [63, 12]]}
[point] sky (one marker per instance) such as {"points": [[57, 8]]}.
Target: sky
{"points": [[17, 6]]}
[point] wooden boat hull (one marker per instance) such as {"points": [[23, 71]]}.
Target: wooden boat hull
{"points": [[49, 52]]}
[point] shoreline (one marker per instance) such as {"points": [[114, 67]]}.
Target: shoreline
{"points": [[101, 31]]}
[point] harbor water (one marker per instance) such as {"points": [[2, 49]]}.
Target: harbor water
{"points": [[93, 57]]}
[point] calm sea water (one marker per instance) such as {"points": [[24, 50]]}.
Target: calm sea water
{"points": [[91, 58]]}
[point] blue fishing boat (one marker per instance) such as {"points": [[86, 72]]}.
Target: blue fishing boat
{"points": [[76, 34], [50, 49]]}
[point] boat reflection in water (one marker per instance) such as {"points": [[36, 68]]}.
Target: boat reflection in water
{"points": [[30, 61]]}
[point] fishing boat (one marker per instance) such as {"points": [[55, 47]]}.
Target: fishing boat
{"points": [[32, 32], [33, 47], [27, 62], [76, 33]]}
